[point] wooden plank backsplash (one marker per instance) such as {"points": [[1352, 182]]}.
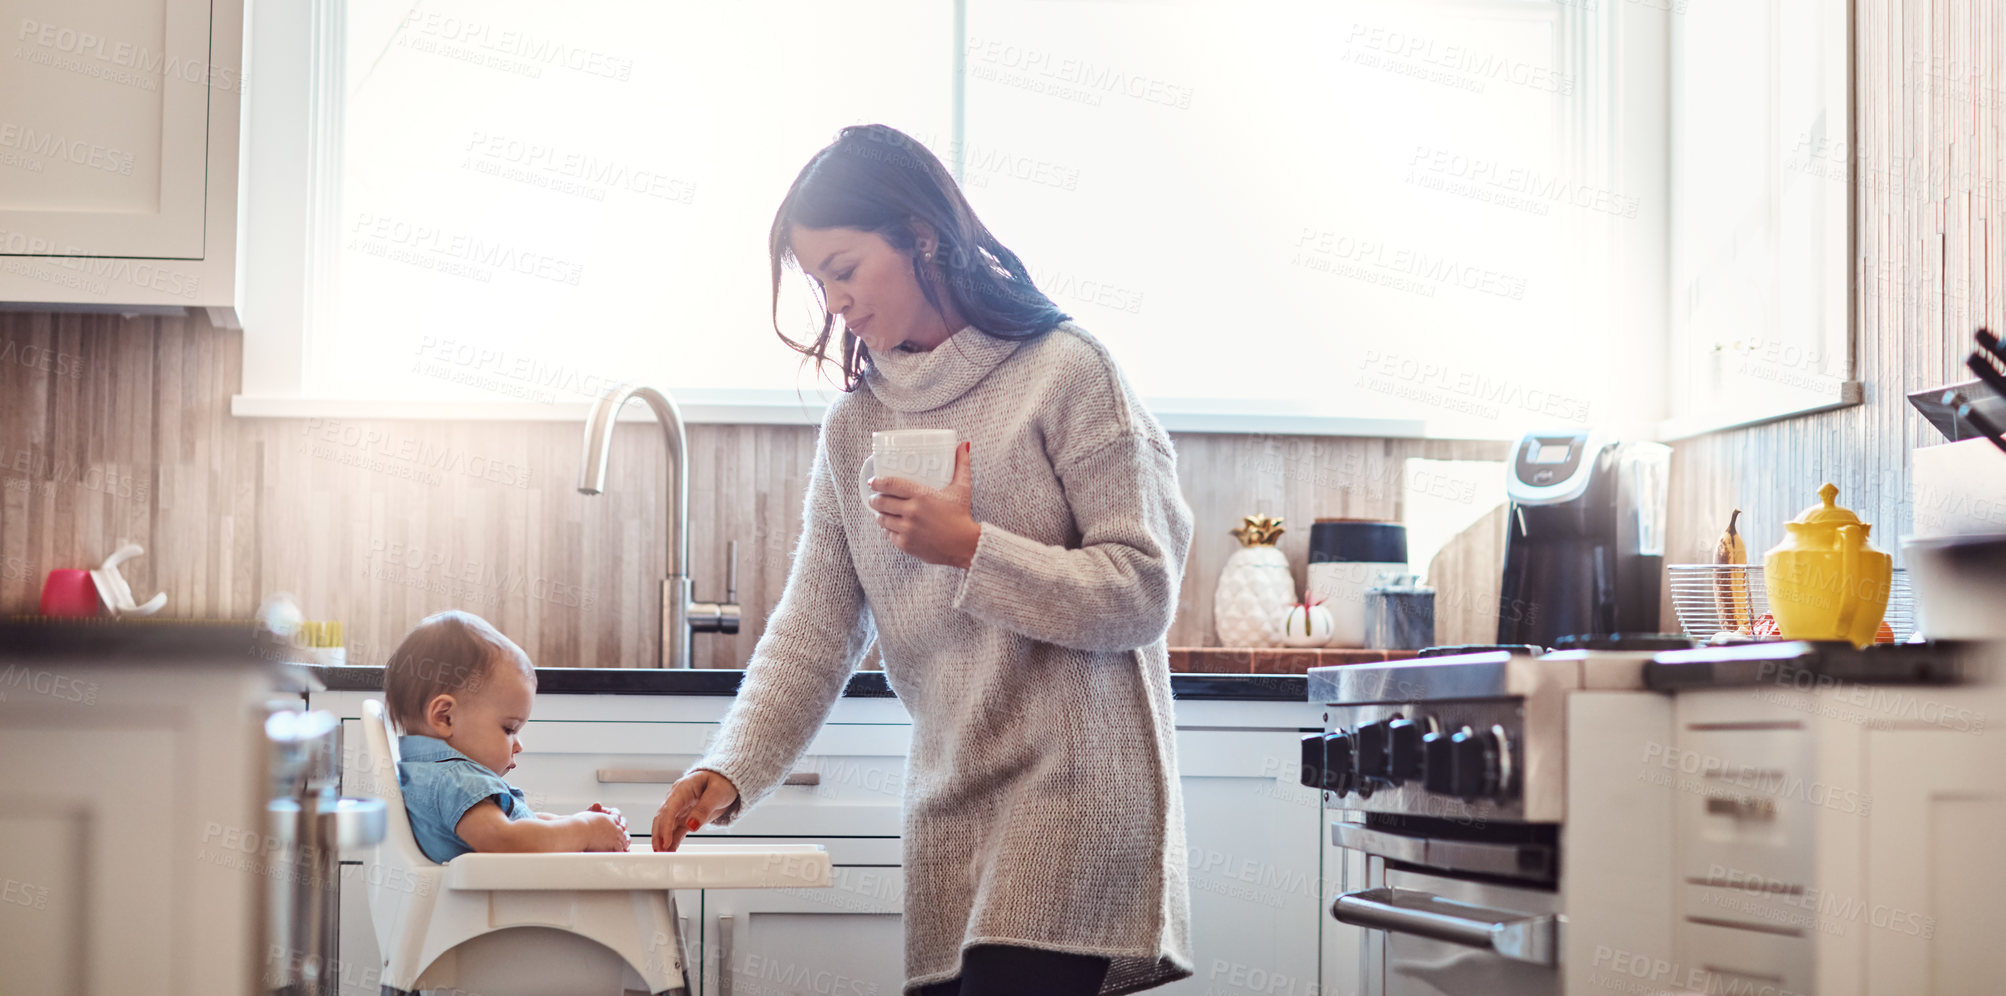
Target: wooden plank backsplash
{"points": [[115, 429], [377, 523]]}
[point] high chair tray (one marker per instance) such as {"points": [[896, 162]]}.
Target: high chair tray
{"points": [[696, 866]]}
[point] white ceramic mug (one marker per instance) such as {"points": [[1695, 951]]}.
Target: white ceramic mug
{"points": [[923, 456]]}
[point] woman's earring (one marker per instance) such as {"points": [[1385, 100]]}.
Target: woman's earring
{"points": [[929, 255]]}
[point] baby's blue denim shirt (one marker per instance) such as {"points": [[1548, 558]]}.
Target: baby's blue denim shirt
{"points": [[440, 784]]}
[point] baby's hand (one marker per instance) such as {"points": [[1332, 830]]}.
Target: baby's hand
{"points": [[610, 811], [604, 831]]}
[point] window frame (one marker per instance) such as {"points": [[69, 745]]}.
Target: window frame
{"points": [[292, 218]]}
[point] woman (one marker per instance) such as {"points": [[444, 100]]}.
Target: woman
{"points": [[1021, 610]]}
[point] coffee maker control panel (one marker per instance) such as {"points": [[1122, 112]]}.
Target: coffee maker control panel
{"points": [[1553, 466]]}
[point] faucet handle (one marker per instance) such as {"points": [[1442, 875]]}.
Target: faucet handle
{"points": [[718, 617]]}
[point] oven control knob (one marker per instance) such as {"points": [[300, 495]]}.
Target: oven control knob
{"points": [[1437, 775], [1370, 744], [1473, 763], [1403, 749], [1338, 775], [1312, 761]]}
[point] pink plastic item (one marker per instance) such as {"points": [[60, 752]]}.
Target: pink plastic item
{"points": [[69, 591]]}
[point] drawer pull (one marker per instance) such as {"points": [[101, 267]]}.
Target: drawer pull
{"points": [[665, 776], [1741, 807]]}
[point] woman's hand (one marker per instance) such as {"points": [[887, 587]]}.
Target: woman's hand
{"points": [[936, 526], [694, 800]]}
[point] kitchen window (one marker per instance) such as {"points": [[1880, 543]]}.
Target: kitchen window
{"points": [[1362, 218]]}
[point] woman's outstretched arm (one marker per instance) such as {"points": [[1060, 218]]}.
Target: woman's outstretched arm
{"points": [[813, 640]]}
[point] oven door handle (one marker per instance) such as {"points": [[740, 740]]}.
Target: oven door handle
{"points": [[1518, 936]]}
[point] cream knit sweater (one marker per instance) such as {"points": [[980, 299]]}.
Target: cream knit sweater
{"points": [[1041, 801]]}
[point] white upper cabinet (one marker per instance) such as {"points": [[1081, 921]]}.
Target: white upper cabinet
{"points": [[118, 151]]}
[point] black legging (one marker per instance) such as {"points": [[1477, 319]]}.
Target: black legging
{"points": [[1005, 970]]}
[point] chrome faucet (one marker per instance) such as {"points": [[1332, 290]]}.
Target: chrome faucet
{"points": [[681, 615]]}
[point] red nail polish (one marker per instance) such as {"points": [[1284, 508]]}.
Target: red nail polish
{"points": [[695, 823]]}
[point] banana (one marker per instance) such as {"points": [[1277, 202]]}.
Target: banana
{"points": [[1731, 587]]}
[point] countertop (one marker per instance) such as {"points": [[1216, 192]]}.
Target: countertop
{"points": [[1813, 664], [1272, 660], [139, 642], [1197, 673], [862, 684]]}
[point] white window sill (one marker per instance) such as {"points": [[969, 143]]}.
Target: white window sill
{"points": [[1190, 417]]}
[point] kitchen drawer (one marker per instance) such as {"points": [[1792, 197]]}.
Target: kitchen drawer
{"points": [[1765, 904], [1746, 800], [1776, 704], [568, 765], [858, 773], [1716, 958], [547, 742], [581, 738]]}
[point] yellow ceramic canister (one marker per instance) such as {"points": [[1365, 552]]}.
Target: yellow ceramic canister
{"points": [[1824, 581]]}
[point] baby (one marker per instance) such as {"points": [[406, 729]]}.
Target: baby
{"points": [[461, 692]]}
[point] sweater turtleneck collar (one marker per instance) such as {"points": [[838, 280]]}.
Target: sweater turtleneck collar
{"points": [[921, 382]]}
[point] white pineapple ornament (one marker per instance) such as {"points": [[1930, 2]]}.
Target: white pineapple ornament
{"points": [[1255, 588]]}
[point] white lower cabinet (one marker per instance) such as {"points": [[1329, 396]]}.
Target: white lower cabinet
{"points": [[1254, 843], [847, 940], [1840, 839], [1934, 876], [133, 794], [1254, 862]]}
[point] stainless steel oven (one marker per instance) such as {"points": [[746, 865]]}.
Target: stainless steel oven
{"points": [[1442, 936], [1446, 782], [1442, 930]]}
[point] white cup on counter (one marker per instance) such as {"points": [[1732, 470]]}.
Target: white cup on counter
{"points": [[1347, 558], [923, 456]]}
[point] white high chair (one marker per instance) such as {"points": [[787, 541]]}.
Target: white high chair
{"points": [[496, 921]]}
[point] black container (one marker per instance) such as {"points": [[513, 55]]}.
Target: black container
{"points": [[1346, 541]]}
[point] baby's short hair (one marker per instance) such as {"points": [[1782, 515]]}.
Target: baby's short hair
{"points": [[447, 653]]}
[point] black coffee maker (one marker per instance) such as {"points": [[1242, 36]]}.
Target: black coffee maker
{"points": [[1585, 539]]}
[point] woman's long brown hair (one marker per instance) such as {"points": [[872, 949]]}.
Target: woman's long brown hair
{"points": [[878, 179]]}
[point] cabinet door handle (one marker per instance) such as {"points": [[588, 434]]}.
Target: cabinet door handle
{"points": [[683, 947], [664, 776], [724, 955]]}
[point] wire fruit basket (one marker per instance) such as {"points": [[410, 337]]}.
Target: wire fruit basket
{"points": [[1705, 596]]}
